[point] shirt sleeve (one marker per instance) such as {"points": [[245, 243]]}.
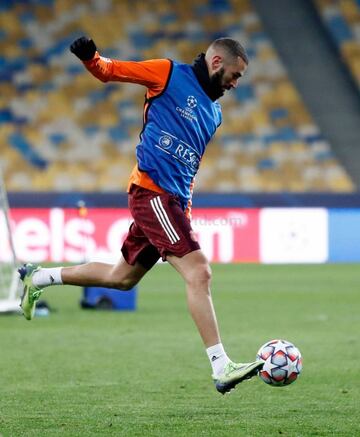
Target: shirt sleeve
{"points": [[152, 73]]}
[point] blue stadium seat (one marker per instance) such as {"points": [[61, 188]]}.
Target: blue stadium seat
{"points": [[19, 142]]}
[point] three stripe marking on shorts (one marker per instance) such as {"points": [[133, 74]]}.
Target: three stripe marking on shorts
{"points": [[164, 220]]}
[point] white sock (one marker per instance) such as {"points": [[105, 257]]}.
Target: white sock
{"points": [[218, 358], [46, 277]]}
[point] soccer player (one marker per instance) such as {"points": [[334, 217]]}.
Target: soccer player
{"points": [[181, 114]]}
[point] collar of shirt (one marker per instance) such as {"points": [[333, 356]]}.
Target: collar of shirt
{"points": [[202, 74]]}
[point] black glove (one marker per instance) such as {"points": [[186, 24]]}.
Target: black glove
{"points": [[84, 48]]}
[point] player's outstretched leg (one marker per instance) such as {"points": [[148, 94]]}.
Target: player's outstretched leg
{"points": [[31, 292], [234, 373], [121, 276], [196, 272]]}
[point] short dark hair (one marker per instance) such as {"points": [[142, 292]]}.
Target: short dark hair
{"points": [[232, 47]]}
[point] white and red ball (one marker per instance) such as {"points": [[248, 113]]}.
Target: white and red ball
{"points": [[283, 362]]}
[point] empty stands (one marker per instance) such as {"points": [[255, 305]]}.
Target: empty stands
{"points": [[61, 129]]}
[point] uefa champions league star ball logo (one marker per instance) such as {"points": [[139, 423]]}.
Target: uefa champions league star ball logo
{"points": [[165, 141], [191, 102], [188, 111]]}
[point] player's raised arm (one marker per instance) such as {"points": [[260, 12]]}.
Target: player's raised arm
{"points": [[152, 73]]}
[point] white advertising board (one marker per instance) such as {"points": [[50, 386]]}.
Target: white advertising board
{"points": [[293, 235]]}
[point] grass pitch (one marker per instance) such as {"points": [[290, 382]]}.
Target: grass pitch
{"points": [[84, 373]]}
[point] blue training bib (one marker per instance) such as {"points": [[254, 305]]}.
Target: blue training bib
{"points": [[180, 122]]}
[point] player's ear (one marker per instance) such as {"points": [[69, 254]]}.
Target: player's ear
{"points": [[216, 62]]}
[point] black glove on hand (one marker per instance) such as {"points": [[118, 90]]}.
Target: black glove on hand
{"points": [[84, 48]]}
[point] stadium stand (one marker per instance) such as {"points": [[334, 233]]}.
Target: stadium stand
{"points": [[61, 129], [342, 19]]}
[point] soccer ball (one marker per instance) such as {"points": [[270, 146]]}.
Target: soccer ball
{"points": [[283, 362]]}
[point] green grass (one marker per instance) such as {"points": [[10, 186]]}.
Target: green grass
{"points": [[85, 373]]}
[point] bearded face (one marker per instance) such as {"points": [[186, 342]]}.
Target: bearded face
{"points": [[227, 75], [217, 82]]}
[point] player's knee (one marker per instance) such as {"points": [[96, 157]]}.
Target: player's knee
{"points": [[200, 274], [122, 282], [123, 279], [127, 284]]}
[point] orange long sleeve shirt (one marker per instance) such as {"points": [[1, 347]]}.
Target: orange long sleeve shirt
{"points": [[153, 74]]}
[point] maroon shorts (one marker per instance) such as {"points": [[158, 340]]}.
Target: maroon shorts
{"points": [[160, 228]]}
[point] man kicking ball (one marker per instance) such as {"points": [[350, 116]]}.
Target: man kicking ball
{"points": [[181, 115]]}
